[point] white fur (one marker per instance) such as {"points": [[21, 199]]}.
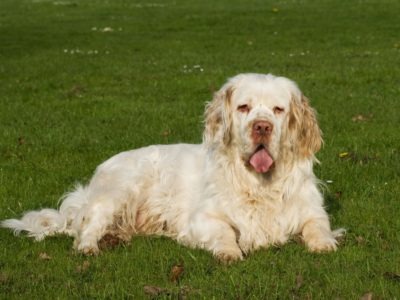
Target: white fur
{"points": [[203, 195]]}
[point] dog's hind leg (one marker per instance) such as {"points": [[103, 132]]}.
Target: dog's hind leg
{"points": [[96, 218]]}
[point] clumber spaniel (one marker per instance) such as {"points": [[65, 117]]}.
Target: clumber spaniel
{"points": [[249, 185]]}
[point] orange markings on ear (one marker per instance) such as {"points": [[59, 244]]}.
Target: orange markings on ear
{"points": [[304, 127], [218, 120]]}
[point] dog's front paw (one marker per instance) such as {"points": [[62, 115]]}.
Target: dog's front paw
{"points": [[318, 236], [228, 256], [321, 244], [90, 249]]}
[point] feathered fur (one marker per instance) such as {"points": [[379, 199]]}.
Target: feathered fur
{"points": [[210, 195]]}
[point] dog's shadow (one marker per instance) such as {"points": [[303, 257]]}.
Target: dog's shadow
{"points": [[332, 203]]}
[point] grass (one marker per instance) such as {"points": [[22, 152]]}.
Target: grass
{"points": [[72, 95]]}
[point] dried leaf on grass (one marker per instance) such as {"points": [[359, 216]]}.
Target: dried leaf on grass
{"points": [[21, 140], [184, 292], [366, 296], [166, 133], [361, 118], [152, 290], [181, 293], [338, 194], [3, 277], [360, 240], [299, 283], [176, 273], [44, 256], [359, 158], [392, 276], [76, 91], [84, 267]]}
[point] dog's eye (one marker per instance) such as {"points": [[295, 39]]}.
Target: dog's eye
{"points": [[244, 108], [278, 110]]}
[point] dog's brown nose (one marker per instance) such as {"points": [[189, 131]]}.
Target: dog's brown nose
{"points": [[262, 128]]}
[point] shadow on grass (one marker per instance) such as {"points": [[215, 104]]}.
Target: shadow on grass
{"points": [[332, 203]]}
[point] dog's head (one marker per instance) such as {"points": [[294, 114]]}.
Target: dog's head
{"points": [[264, 117]]}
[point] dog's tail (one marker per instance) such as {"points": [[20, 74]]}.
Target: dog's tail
{"points": [[45, 222]]}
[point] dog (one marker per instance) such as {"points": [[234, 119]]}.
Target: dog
{"points": [[248, 185]]}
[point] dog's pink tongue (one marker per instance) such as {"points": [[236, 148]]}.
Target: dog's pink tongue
{"points": [[261, 161]]}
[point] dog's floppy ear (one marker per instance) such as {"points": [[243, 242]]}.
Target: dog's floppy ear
{"points": [[303, 127], [217, 117]]}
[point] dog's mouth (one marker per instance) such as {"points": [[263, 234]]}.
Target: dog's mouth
{"points": [[261, 160]]}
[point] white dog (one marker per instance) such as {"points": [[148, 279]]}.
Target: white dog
{"points": [[249, 185]]}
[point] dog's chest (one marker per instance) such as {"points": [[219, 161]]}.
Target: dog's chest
{"points": [[262, 222]]}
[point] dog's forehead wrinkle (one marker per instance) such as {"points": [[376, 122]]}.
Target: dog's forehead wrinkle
{"points": [[263, 96]]}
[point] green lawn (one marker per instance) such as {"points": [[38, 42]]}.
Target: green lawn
{"points": [[83, 80]]}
